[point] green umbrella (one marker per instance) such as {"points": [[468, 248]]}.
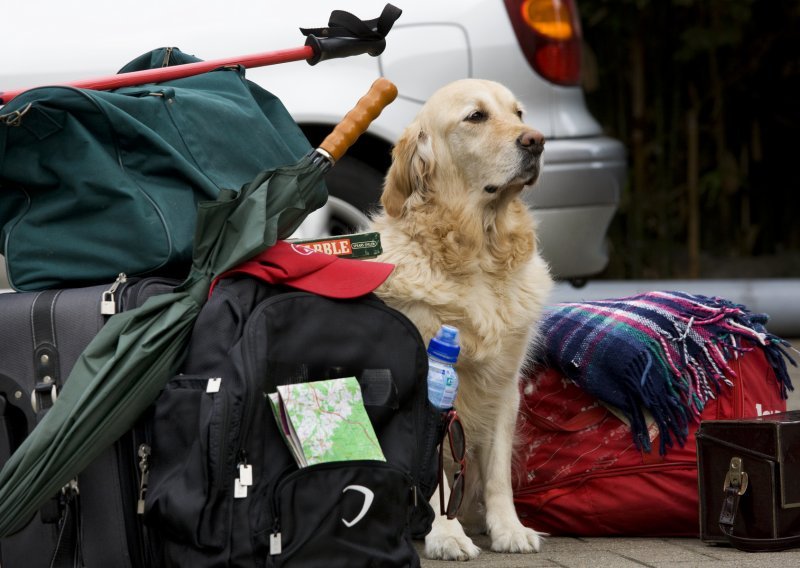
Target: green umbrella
{"points": [[123, 369]]}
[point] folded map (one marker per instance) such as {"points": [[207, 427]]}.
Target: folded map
{"points": [[325, 421]]}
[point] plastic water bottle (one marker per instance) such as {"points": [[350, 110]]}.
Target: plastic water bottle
{"points": [[442, 378]]}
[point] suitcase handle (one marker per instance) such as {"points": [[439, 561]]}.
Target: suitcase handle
{"points": [[15, 411]]}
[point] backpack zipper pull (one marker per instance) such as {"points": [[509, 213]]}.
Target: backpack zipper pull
{"points": [[108, 306], [275, 545], [245, 477], [144, 470]]}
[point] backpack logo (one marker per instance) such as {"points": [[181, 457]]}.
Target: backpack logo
{"points": [[369, 496]]}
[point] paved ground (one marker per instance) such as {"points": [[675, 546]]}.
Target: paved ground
{"points": [[635, 552], [627, 553]]}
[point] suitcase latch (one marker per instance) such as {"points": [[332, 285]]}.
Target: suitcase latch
{"points": [[736, 478]]}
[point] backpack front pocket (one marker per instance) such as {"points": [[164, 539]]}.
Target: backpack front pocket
{"points": [[349, 514], [193, 461]]}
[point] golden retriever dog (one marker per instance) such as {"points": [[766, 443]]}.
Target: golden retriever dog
{"points": [[464, 247]]}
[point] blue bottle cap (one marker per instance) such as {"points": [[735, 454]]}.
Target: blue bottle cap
{"points": [[445, 345]]}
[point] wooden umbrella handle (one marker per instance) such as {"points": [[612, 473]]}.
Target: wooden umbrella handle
{"points": [[355, 123]]}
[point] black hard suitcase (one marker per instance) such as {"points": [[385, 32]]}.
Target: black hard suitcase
{"points": [[748, 471], [94, 521]]}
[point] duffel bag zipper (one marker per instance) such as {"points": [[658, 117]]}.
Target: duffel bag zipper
{"points": [[582, 478]]}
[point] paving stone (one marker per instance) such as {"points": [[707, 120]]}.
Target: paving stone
{"points": [[565, 552]]}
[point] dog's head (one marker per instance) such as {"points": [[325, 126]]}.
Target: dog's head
{"points": [[468, 136]]}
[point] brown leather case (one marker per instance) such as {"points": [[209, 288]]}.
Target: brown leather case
{"points": [[749, 481]]}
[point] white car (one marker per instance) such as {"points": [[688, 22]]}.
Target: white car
{"points": [[531, 46]]}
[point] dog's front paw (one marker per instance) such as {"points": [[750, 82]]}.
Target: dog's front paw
{"points": [[515, 538], [447, 541]]}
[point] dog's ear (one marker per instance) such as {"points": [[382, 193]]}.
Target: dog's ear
{"points": [[410, 172]]}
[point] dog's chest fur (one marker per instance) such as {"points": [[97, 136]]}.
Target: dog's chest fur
{"points": [[491, 287]]}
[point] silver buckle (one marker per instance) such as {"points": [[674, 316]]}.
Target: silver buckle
{"points": [[736, 478]]}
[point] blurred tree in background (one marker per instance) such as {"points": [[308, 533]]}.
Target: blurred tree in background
{"points": [[705, 94]]}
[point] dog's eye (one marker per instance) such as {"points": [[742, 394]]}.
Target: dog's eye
{"points": [[477, 116], [519, 113]]}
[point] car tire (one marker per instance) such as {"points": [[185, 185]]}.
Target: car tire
{"points": [[354, 189]]}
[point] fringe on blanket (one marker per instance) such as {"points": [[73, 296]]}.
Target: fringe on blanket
{"points": [[666, 352]]}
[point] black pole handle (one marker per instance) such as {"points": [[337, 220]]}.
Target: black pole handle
{"points": [[337, 47], [347, 35]]}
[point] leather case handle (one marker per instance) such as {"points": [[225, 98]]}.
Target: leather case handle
{"points": [[735, 486]]}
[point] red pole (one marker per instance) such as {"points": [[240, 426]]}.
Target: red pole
{"points": [[178, 71]]}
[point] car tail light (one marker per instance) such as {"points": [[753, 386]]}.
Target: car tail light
{"points": [[549, 33]]}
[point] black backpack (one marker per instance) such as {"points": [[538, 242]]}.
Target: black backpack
{"points": [[249, 338]]}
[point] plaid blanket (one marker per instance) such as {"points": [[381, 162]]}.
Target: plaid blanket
{"points": [[666, 352]]}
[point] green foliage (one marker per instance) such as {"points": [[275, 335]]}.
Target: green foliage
{"points": [[735, 66]]}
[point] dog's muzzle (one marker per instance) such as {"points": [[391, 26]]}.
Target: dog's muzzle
{"points": [[532, 142], [530, 145]]}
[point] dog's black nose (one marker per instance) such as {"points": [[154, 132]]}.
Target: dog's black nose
{"points": [[532, 141]]}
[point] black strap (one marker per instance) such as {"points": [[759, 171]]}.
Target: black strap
{"points": [[730, 506], [345, 24], [346, 35], [761, 544], [61, 508], [45, 352]]}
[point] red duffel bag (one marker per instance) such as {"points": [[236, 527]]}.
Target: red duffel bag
{"points": [[578, 471]]}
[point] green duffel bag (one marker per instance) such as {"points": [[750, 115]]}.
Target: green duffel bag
{"points": [[96, 183]]}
